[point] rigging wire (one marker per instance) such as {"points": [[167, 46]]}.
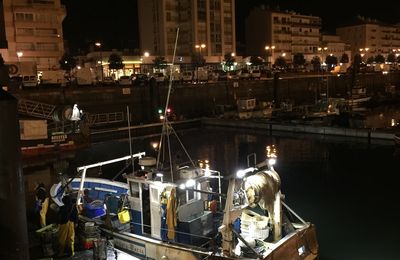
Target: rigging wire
{"points": [[166, 125]]}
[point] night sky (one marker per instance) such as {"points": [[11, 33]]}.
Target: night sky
{"points": [[114, 23]]}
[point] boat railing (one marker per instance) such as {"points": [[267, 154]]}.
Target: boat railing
{"points": [[294, 213], [204, 247], [83, 169]]}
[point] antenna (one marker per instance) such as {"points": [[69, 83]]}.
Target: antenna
{"points": [[129, 131]]}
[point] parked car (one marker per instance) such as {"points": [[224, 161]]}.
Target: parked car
{"points": [[16, 82], [108, 81], [255, 74], [140, 80], [222, 75], [244, 74], [29, 81], [125, 81], [159, 77], [187, 76]]}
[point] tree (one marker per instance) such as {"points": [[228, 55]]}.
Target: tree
{"points": [[391, 58], [229, 60], [370, 60], [160, 63], [357, 62], [67, 62], [331, 60], [379, 59], [280, 62], [198, 60], [1, 60], [316, 62], [298, 60], [115, 62], [256, 60], [344, 58]]}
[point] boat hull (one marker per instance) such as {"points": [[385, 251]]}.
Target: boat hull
{"points": [[98, 188]]}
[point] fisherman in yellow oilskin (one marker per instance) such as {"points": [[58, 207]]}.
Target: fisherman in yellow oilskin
{"points": [[67, 220], [42, 204]]}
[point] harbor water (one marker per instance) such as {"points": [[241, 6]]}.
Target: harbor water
{"points": [[346, 187]]}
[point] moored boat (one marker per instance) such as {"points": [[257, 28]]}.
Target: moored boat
{"points": [[176, 218]]}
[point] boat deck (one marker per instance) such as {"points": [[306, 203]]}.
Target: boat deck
{"points": [[84, 255]]}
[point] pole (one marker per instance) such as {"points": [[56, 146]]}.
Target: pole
{"points": [[129, 131], [13, 222], [101, 63]]}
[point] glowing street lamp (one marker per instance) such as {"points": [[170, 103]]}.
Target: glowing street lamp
{"points": [[362, 54], [98, 45], [199, 47], [270, 54], [20, 54]]}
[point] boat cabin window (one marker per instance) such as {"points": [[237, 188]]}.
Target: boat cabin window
{"points": [[134, 189], [190, 195]]}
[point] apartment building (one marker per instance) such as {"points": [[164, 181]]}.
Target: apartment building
{"points": [[33, 31], [334, 46], [209, 25], [274, 33], [370, 37]]}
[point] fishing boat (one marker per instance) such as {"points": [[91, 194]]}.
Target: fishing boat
{"points": [[99, 190], [171, 216], [177, 208]]}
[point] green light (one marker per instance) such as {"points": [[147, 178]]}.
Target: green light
{"points": [[160, 111]]}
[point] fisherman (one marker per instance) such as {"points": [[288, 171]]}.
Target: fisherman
{"points": [[164, 202], [67, 220], [86, 198], [42, 203]]}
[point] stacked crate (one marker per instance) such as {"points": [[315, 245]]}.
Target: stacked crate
{"points": [[87, 233]]}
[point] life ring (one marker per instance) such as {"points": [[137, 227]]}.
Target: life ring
{"points": [[12, 69]]}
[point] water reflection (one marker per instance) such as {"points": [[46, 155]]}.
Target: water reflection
{"points": [[346, 188]]}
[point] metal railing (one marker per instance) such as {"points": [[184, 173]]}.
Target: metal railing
{"points": [[35, 108]]}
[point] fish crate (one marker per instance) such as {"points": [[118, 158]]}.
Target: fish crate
{"points": [[88, 228], [48, 239], [87, 242], [254, 225]]}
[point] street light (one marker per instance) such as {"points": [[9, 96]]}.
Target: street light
{"points": [[270, 50], [362, 54], [19, 55], [98, 45], [199, 47]]}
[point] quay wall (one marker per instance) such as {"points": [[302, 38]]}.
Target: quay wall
{"points": [[195, 100], [270, 127]]}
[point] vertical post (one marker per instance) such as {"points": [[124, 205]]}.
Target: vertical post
{"points": [[101, 64], [13, 222], [129, 131], [98, 44]]}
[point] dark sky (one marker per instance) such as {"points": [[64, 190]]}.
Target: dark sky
{"points": [[114, 23]]}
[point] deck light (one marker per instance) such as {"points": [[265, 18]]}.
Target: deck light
{"points": [[190, 183], [241, 173]]}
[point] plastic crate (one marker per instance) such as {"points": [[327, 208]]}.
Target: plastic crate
{"points": [[48, 239]]}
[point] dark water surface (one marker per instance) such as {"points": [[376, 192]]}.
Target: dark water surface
{"points": [[347, 188]]}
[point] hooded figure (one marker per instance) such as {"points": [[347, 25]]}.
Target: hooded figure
{"points": [[42, 203], [67, 219]]}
